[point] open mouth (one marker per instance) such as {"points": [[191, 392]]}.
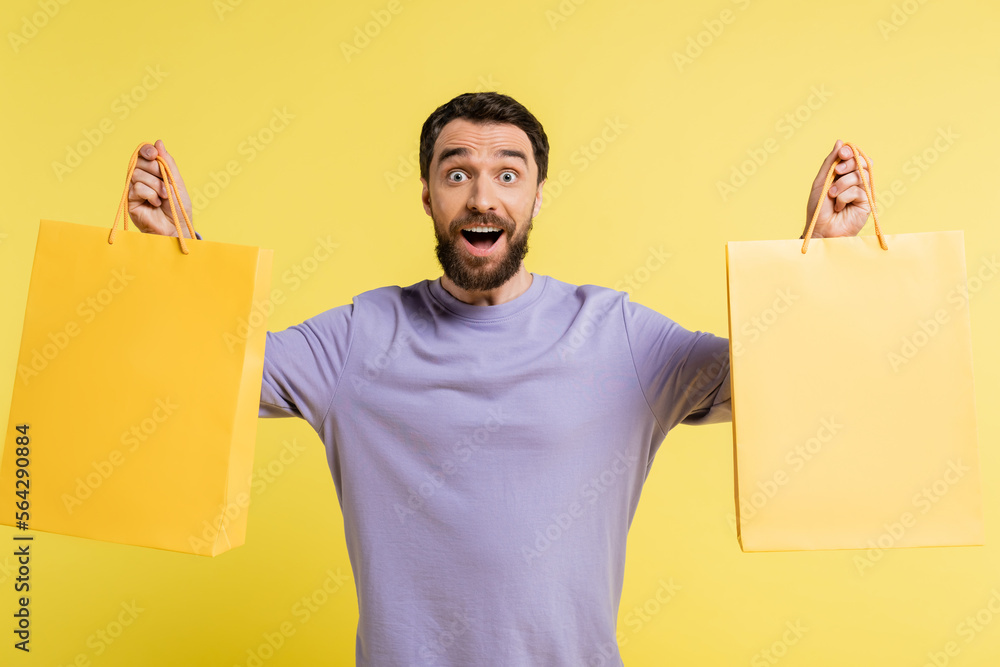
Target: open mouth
{"points": [[482, 237]]}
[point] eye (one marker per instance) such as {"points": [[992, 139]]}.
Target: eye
{"points": [[508, 177], [456, 177]]}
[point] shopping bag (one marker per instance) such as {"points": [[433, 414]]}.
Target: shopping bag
{"points": [[854, 421], [134, 410]]}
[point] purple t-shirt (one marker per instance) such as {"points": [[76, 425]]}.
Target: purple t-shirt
{"points": [[488, 459]]}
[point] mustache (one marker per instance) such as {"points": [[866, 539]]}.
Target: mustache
{"points": [[490, 219]]}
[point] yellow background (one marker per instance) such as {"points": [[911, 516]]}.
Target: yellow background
{"points": [[673, 130]]}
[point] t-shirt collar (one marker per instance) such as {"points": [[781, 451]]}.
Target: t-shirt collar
{"points": [[469, 311]]}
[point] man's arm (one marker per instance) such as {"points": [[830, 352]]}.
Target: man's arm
{"points": [[684, 375], [304, 365]]}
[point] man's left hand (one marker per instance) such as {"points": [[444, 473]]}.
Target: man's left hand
{"points": [[845, 209]]}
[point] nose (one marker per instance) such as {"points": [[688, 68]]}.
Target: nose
{"points": [[482, 197]]}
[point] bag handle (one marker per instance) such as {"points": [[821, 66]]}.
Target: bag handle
{"points": [[169, 178], [869, 185]]}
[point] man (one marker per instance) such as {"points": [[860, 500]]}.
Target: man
{"points": [[489, 432]]}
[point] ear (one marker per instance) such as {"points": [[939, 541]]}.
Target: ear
{"points": [[425, 196], [538, 200]]}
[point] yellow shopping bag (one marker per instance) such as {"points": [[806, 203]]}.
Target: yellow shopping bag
{"points": [[134, 409], [854, 421]]}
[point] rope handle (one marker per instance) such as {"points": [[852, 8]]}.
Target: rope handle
{"points": [[169, 178], [869, 185]]}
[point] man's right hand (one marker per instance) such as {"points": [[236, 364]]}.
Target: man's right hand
{"points": [[147, 193]]}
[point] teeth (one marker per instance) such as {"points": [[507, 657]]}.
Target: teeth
{"points": [[483, 229]]}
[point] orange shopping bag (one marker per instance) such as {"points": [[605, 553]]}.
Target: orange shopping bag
{"points": [[134, 410], [854, 421]]}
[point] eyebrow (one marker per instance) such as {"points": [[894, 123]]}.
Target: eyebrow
{"points": [[462, 151]]}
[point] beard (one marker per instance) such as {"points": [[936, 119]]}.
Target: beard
{"points": [[481, 274]]}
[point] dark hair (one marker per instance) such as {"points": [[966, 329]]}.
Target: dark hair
{"points": [[484, 108]]}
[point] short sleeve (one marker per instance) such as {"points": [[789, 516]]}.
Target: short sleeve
{"points": [[303, 365], [684, 374]]}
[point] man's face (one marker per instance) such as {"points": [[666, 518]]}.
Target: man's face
{"points": [[482, 192]]}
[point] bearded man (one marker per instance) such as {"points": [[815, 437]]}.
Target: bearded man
{"points": [[489, 432]]}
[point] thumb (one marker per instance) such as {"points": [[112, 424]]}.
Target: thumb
{"points": [[827, 163], [161, 150]]}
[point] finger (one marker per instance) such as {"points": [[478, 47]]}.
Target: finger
{"points": [[142, 192], [851, 164], [852, 195], [148, 151], [149, 166], [844, 182], [854, 178], [154, 183]]}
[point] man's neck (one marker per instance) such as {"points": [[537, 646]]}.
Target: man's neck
{"points": [[509, 291]]}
